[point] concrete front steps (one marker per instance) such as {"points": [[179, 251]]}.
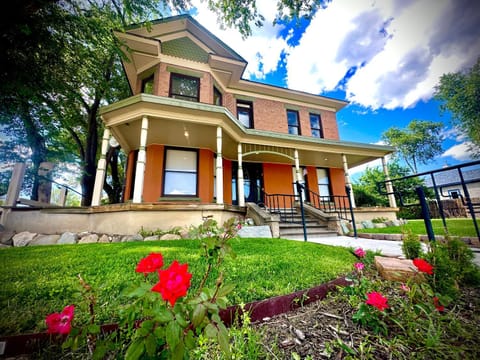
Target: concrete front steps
{"points": [[293, 229]]}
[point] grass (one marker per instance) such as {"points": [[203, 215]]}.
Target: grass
{"points": [[40, 280], [456, 227]]}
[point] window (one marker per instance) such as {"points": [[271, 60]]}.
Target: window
{"points": [[316, 126], [323, 182], [217, 97], [245, 113], [293, 124], [184, 87], [147, 85], [180, 177], [454, 193]]}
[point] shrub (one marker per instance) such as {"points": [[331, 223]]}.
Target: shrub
{"points": [[411, 246]]}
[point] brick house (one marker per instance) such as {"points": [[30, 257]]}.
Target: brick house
{"points": [[195, 131]]}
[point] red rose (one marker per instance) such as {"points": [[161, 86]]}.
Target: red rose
{"points": [[173, 282], [423, 266], [149, 264], [437, 304], [60, 323], [360, 252], [376, 299]]}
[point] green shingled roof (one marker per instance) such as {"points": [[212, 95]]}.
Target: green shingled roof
{"points": [[186, 49]]}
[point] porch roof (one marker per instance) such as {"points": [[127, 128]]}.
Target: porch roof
{"points": [[175, 122]]}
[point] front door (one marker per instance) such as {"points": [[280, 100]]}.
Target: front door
{"points": [[252, 182]]}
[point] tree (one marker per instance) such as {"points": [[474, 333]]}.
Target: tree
{"points": [[75, 57], [460, 94], [417, 144], [370, 188]]}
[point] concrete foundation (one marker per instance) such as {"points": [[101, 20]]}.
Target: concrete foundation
{"points": [[125, 219]]}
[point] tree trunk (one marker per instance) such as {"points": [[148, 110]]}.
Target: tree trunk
{"points": [[89, 165], [37, 144], [113, 190]]}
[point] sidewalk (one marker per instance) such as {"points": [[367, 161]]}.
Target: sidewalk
{"points": [[386, 247]]}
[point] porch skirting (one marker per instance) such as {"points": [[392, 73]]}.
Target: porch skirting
{"points": [[124, 218]]}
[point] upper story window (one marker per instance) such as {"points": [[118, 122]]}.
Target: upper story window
{"points": [[293, 122], [147, 85], [217, 97], [245, 113], [184, 87], [316, 125]]}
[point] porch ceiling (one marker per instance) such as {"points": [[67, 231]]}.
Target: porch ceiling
{"points": [[170, 120]]}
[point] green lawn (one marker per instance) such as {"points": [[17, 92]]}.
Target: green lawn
{"points": [[43, 279], [456, 227]]}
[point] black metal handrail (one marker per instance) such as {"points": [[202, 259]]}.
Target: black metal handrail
{"points": [[285, 204]]}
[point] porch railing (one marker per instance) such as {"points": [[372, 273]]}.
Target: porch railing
{"points": [[285, 204]]}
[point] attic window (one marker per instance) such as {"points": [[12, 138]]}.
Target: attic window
{"points": [[147, 85], [184, 87]]}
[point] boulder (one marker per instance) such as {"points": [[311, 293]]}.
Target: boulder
{"points": [[116, 238], [44, 240], [68, 238], [129, 238], [6, 237], [104, 239], [170, 237], [89, 239], [23, 238], [152, 238], [262, 231]]}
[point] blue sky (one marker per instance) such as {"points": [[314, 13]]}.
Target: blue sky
{"points": [[385, 57]]}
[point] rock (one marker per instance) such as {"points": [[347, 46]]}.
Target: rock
{"points": [[89, 239], [2, 228], [299, 334], [380, 225], [287, 343], [184, 234], [44, 240], [23, 238], [170, 237], [6, 237], [396, 269], [104, 239], [130, 238], [262, 231], [3, 246], [116, 238], [68, 238], [367, 224], [152, 238]]}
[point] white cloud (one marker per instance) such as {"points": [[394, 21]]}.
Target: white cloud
{"points": [[398, 49], [460, 152]]}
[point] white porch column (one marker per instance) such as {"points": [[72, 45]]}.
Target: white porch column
{"points": [[101, 169], [297, 167], [219, 167], [241, 190], [140, 170], [388, 184], [347, 180]]}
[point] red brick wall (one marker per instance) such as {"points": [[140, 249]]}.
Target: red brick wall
{"points": [[329, 125]]}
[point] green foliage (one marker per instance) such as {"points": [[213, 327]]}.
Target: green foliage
{"points": [[411, 246], [370, 189], [459, 94], [418, 143]]}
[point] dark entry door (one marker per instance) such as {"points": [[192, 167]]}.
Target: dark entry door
{"points": [[252, 182]]}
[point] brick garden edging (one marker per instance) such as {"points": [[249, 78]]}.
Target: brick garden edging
{"points": [[259, 310]]}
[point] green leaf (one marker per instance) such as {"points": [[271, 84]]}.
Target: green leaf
{"points": [[159, 332], [225, 290], [163, 316], [198, 314], [135, 350], [172, 334], [223, 341], [177, 353], [151, 345], [93, 329], [190, 340], [211, 331], [181, 320]]}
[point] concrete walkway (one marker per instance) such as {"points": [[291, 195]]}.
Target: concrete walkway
{"points": [[386, 247]]}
